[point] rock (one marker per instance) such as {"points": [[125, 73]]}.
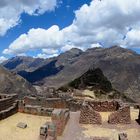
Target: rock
{"points": [[22, 125]]}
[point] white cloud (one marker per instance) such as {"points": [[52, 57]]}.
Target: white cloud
{"points": [[50, 51], [105, 21], [132, 39], [44, 56], [2, 59], [97, 45], [10, 11], [36, 39]]}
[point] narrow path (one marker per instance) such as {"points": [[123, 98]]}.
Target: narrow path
{"points": [[73, 130]]}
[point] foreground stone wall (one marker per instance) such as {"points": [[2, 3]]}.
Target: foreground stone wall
{"points": [[104, 106], [60, 118], [123, 136], [122, 116], [138, 120], [89, 116]]}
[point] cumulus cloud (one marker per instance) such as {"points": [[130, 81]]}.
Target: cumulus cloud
{"points": [[36, 39], [132, 39], [106, 21], [2, 59], [10, 11]]}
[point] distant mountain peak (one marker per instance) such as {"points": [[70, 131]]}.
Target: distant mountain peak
{"points": [[75, 50]]}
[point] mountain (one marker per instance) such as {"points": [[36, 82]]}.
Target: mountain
{"points": [[93, 78], [121, 67], [26, 63], [95, 81], [11, 83]]}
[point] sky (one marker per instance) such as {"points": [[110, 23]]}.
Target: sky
{"points": [[45, 28]]}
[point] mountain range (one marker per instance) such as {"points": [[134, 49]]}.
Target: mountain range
{"points": [[121, 66]]}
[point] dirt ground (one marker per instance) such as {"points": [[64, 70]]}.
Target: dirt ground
{"points": [[75, 131], [9, 130]]}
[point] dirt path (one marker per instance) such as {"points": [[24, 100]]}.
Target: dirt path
{"points": [[73, 130]]}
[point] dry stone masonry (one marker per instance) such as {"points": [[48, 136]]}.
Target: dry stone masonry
{"points": [[90, 112], [123, 136], [121, 116], [60, 118], [8, 105], [89, 116], [104, 106]]}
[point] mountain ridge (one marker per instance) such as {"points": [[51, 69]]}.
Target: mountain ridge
{"points": [[121, 66]]}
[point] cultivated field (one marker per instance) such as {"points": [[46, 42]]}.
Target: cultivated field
{"points": [[9, 130]]}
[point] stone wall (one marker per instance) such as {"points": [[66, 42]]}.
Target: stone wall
{"points": [[7, 101], [45, 102], [89, 116], [104, 106], [9, 111], [123, 136], [122, 116], [60, 118], [72, 104], [8, 105], [138, 120], [34, 110]]}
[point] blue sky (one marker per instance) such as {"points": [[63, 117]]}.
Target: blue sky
{"points": [[47, 27], [62, 16]]}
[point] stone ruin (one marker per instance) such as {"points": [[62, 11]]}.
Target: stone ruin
{"points": [[121, 116], [60, 118], [138, 120], [8, 105], [45, 106], [123, 136], [55, 128], [90, 116], [90, 112]]}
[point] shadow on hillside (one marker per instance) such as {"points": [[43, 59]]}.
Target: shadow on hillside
{"points": [[39, 74]]}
